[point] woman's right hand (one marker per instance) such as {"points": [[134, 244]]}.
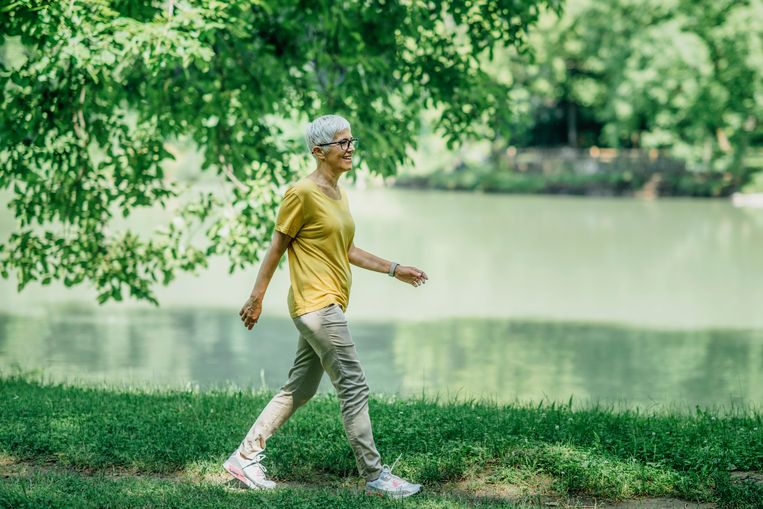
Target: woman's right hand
{"points": [[411, 275], [250, 312]]}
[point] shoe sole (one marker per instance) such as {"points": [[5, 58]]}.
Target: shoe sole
{"points": [[391, 494], [238, 474]]}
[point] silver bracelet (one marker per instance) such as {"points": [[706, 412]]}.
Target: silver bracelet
{"points": [[392, 268]]}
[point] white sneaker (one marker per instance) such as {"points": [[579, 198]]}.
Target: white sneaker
{"points": [[391, 485], [249, 472]]}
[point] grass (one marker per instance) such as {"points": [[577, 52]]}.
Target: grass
{"points": [[83, 446], [71, 490]]}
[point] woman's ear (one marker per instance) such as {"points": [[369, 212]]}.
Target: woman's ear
{"points": [[318, 153]]}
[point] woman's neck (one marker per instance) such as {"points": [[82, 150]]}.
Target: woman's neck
{"points": [[324, 175]]}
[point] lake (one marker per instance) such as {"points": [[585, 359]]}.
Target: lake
{"points": [[613, 300]]}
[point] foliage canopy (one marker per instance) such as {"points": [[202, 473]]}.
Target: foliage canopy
{"points": [[104, 84]]}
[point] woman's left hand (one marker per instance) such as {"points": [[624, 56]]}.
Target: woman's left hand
{"points": [[411, 275]]}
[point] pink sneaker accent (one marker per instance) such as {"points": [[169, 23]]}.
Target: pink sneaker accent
{"points": [[249, 472]]}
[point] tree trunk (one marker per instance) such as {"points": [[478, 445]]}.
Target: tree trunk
{"points": [[572, 125]]}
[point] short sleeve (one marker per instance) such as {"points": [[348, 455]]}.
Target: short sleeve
{"points": [[290, 214]]}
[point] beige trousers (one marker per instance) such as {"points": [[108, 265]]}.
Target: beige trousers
{"points": [[324, 344]]}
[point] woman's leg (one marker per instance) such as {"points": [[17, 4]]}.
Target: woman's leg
{"points": [[304, 377], [328, 334]]}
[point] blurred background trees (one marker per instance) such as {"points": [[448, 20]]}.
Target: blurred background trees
{"points": [[680, 75], [674, 88], [622, 97]]}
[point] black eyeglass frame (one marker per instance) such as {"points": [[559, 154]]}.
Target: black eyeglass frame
{"points": [[354, 142]]}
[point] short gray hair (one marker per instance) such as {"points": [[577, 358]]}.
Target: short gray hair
{"points": [[323, 129]]}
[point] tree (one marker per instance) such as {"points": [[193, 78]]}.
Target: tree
{"points": [[103, 85], [682, 75]]}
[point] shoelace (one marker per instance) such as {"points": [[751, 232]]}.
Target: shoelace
{"points": [[389, 469], [258, 459]]}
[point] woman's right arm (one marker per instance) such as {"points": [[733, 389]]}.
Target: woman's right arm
{"points": [[252, 308]]}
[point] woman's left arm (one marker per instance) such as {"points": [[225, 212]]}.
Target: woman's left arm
{"points": [[366, 260]]}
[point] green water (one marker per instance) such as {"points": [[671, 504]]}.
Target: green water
{"points": [[646, 303]]}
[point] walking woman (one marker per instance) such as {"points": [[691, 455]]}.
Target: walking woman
{"points": [[315, 226]]}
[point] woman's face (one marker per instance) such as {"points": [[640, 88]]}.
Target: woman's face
{"points": [[337, 158]]}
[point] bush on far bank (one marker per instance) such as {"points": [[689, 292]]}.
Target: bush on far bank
{"points": [[607, 181]]}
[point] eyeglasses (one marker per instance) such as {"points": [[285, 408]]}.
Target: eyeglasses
{"points": [[343, 144]]}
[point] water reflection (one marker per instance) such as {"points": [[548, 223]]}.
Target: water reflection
{"points": [[482, 358], [591, 362]]}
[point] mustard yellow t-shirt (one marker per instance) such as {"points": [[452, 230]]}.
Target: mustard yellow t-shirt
{"points": [[323, 230]]}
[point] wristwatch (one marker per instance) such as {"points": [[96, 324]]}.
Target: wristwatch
{"points": [[392, 268]]}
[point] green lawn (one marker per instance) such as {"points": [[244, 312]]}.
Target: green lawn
{"points": [[77, 446]]}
